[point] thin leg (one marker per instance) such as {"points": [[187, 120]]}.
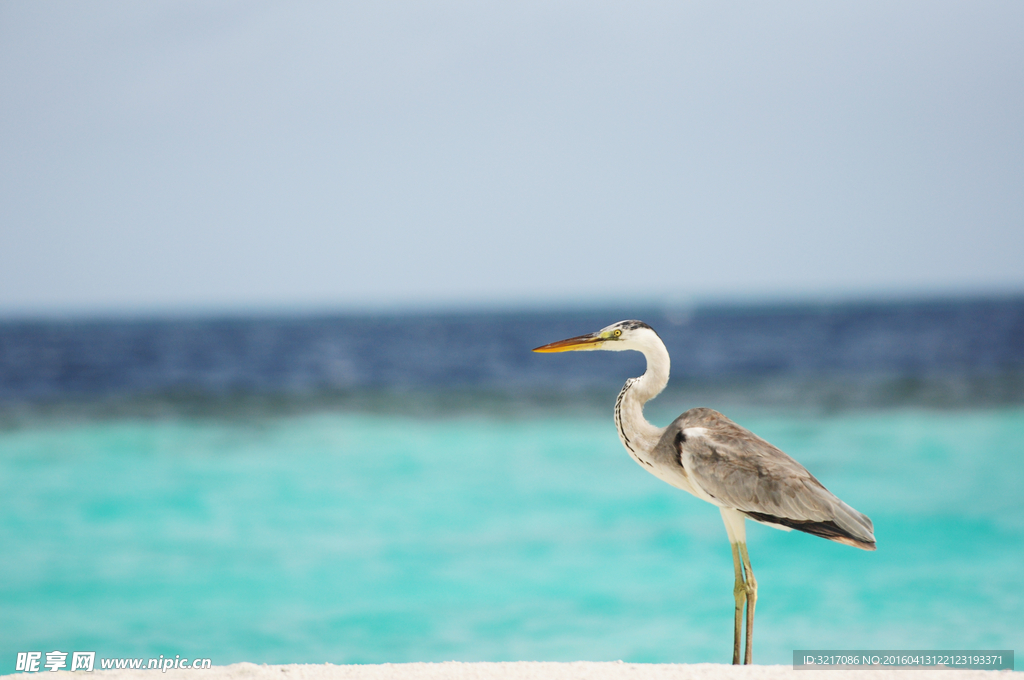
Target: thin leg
{"points": [[734, 520], [739, 591], [751, 592]]}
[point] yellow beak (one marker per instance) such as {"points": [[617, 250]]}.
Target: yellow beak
{"points": [[590, 341]]}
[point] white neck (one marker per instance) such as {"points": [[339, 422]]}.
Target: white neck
{"points": [[636, 433]]}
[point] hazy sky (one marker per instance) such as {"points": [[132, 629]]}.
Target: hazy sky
{"points": [[246, 155]]}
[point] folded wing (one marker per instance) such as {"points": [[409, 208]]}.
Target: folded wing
{"points": [[739, 470]]}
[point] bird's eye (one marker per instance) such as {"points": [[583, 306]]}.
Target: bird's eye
{"points": [[617, 332]]}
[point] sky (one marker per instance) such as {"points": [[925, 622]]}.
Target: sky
{"points": [[204, 155]]}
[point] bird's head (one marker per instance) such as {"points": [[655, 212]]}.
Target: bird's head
{"points": [[624, 335]]}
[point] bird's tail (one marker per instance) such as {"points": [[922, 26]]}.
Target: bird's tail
{"points": [[848, 526]]}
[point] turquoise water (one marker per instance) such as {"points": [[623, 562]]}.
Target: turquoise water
{"points": [[347, 537]]}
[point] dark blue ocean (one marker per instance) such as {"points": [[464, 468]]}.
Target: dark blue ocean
{"points": [[421, 487]]}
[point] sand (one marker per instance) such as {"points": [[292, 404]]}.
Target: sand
{"points": [[528, 670]]}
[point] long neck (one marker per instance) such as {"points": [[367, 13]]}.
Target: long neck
{"points": [[636, 433]]}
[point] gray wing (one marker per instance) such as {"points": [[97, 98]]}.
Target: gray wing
{"points": [[742, 471]]}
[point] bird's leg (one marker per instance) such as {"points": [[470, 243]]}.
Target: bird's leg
{"points": [[751, 592], [739, 591]]}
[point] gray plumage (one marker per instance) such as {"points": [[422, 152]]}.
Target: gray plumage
{"points": [[744, 472]]}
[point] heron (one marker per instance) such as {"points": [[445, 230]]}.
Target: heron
{"points": [[708, 455]]}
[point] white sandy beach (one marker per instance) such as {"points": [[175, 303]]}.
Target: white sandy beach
{"points": [[533, 670]]}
